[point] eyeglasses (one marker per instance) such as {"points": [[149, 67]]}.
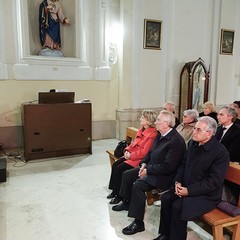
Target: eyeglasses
{"points": [[199, 130]]}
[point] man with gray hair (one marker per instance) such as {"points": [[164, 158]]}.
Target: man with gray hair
{"points": [[228, 133], [170, 106], [157, 170], [198, 183]]}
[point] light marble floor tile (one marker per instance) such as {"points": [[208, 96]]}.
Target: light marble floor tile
{"points": [[65, 199]]}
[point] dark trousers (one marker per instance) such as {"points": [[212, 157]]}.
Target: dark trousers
{"points": [[118, 168], [138, 199], [234, 188], [171, 224], [128, 178]]}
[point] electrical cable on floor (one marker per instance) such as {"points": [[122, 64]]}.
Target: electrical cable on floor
{"points": [[15, 155]]}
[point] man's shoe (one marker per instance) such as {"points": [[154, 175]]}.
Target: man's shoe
{"points": [[161, 237], [121, 206], [133, 228], [116, 200], [111, 195]]}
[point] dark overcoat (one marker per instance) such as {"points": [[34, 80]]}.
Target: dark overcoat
{"points": [[164, 159], [231, 140], [202, 172]]}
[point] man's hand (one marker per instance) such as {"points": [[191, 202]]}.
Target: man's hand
{"points": [[142, 172], [180, 190]]}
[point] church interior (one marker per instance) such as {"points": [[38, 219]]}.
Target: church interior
{"points": [[115, 59]]}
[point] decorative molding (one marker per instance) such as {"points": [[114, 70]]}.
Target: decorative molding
{"points": [[34, 67], [3, 66], [3, 71], [100, 37], [25, 71], [102, 69], [103, 73]]}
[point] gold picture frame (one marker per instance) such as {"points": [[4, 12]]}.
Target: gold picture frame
{"points": [[152, 34], [227, 41]]}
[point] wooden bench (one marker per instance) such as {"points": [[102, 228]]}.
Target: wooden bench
{"points": [[154, 196], [220, 220], [131, 133]]}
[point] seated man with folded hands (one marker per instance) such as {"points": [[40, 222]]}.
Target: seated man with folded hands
{"points": [[157, 170]]}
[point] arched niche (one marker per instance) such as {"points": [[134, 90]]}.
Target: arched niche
{"points": [[84, 60], [194, 82]]}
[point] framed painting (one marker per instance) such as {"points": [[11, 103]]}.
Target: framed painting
{"points": [[152, 34], [227, 40]]}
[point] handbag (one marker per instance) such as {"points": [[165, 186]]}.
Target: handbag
{"points": [[118, 152]]}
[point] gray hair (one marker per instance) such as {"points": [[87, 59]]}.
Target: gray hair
{"points": [[211, 124], [230, 112], [193, 113], [169, 117], [151, 116], [172, 106]]}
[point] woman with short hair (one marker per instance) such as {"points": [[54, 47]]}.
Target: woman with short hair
{"points": [[134, 153], [185, 129], [209, 109]]}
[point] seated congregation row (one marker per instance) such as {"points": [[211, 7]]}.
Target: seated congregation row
{"points": [[188, 161]]}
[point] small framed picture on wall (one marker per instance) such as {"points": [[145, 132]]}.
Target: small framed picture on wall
{"points": [[227, 40], [152, 34]]}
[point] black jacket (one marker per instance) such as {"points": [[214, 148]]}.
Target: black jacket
{"points": [[164, 159], [212, 115], [202, 172], [231, 140]]}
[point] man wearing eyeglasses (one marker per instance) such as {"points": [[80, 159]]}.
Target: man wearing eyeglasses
{"points": [[198, 183]]}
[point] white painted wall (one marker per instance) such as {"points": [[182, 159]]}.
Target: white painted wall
{"points": [[141, 78], [191, 29], [228, 80]]}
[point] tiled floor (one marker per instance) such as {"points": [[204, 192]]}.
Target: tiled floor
{"points": [[65, 199]]}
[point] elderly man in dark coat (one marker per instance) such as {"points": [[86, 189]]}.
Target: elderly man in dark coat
{"points": [[157, 170], [198, 183], [228, 133]]}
